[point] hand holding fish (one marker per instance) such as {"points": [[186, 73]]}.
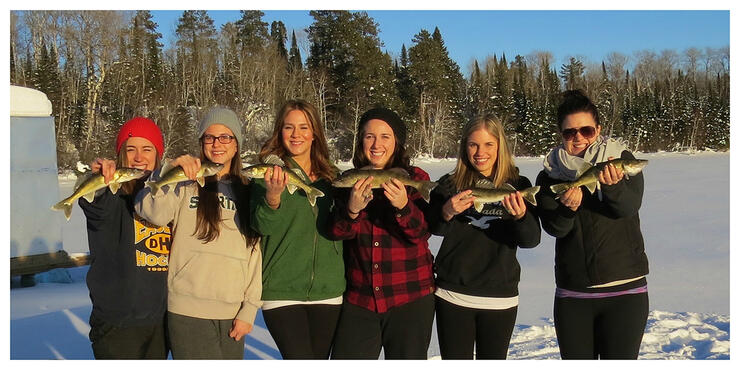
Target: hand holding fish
{"points": [[239, 329], [275, 181], [360, 196], [572, 198], [106, 167], [610, 175], [190, 165], [458, 203], [395, 191], [514, 204]]}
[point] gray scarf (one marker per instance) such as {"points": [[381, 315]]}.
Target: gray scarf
{"points": [[563, 166]]}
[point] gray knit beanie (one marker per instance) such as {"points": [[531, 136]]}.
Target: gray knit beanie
{"points": [[223, 116]]}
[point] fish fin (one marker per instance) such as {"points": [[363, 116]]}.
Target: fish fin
{"points": [[64, 206], [291, 188], [200, 180], [83, 177], [166, 167], [114, 186], [299, 173], [273, 159], [368, 167], [478, 205], [89, 196], [528, 195], [400, 172], [312, 194], [582, 168], [508, 186], [426, 188], [560, 188], [153, 186], [484, 184], [592, 186]]}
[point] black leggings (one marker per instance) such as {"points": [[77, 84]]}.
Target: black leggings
{"points": [[403, 332], [303, 331], [606, 328], [460, 328]]}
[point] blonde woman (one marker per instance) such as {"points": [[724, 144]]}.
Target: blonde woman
{"points": [[477, 270]]}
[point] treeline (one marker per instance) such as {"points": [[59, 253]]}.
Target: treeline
{"points": [[100, 68]]}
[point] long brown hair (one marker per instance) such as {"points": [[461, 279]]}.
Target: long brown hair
{"points": [[320, 164], [133, 187], [504, 169], [208, 214]]}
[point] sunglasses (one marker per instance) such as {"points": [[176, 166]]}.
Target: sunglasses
{"points": [[586, 131]]}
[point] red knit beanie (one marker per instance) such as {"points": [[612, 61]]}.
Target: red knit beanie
{"points": [[141, 127]]}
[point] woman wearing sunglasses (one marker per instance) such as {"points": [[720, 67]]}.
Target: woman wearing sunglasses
{"points": [[601, 300]]}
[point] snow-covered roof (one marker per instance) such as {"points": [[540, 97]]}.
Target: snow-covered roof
{"points": [[25, 102]]}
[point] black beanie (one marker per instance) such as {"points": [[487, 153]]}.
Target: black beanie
{"points": [[388, 116]]}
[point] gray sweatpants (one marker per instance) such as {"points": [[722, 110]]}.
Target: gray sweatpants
{"points": [[192, 338]]}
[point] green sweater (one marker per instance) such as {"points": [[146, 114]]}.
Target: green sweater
{"points": [[299, 262]]}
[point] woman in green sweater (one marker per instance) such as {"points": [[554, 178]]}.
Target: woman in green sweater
{"points": [[303, 271]]}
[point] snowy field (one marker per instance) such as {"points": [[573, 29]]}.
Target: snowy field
{"points": [[685, 222]]}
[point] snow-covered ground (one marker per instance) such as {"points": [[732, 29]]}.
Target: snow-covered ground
{"points": [[685, 222]]}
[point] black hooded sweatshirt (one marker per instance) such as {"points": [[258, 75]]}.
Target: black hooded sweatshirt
{"points": [[128, 262], [478, 252]]}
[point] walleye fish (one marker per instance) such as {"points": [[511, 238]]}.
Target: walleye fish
{"points": [[295, 177], [86, 187], [485, 192], [590, 177], [172, 175], [350, 177]]}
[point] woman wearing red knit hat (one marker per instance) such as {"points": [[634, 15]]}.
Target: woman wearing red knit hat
{"points": [[128, 256]]}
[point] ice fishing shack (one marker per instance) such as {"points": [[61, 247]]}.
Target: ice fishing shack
{"points": [[35, 230]]}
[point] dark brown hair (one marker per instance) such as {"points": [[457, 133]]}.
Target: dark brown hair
{"points": [[399, 158], [576, 101], [320, 164]]}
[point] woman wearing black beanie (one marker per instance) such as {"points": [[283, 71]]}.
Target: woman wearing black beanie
{"points": [[389, 302]]}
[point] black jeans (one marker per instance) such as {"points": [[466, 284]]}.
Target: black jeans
{"points": [[606, 328], [303, 331], [193, 338], [402, 332], [459, 329], [117, 342]]}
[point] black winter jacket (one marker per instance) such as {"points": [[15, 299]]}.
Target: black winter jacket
{"points": [[478, 252], [601, 241]]}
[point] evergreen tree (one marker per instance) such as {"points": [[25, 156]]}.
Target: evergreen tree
{"points": [[294, 60], [572, 74], [278, 35]]}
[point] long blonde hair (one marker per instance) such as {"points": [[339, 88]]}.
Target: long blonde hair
{"points": [[503, 170]]}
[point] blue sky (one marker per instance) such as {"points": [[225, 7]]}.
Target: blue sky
{"points": [[470, 34]]}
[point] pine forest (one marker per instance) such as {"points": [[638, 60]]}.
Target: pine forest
{"points": [[101, 68]]}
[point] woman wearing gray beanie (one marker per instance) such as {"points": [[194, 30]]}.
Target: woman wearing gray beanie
{"points": [[215, 268]]}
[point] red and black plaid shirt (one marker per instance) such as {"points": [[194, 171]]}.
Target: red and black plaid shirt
{"points": [[386, 252]]}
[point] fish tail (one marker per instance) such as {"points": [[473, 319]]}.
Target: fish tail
{"points": [[65, 206], [426, 188], [152, 185], [560, 188], [529, 196], [312, 194]]}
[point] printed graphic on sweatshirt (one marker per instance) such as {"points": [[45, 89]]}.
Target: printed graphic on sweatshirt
{"points": [[226, 202], [490, 212], [152, 245]]}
